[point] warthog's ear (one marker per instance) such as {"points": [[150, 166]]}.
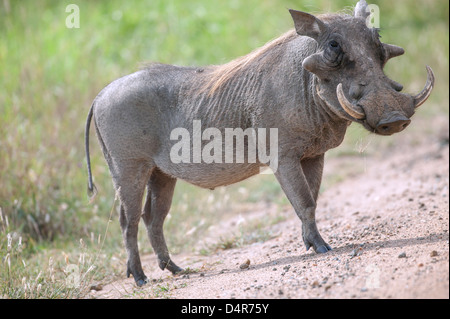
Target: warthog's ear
{"points": [[307, 24]]}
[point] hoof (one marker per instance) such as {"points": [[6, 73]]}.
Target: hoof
{"points": [[176, 270], [139, 279], [322, 249], [171, 266], [141, 282], [312, 238]]}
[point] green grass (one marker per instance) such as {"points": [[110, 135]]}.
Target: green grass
{"points": [[50, 74]]}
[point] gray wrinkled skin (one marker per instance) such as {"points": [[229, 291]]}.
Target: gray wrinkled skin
{"points": [[290, 84]]}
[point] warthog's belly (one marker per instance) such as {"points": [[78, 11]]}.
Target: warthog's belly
{"points": [[212, 175]]}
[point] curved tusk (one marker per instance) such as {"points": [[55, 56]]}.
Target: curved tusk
{"points": [[352, 110], [420, 98]]}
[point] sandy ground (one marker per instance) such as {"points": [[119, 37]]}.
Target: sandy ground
{"points": [[387, 222]]}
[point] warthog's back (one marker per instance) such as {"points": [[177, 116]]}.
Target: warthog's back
{"points": [[135, 116], [132, 112]]}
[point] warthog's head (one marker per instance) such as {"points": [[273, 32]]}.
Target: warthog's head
{"points": [[349, 71]]}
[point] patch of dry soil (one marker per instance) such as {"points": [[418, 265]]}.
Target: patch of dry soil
{"points": [[388, 226]]}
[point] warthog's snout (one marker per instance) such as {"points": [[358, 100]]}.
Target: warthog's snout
{"points": [[394, 123], [399, 107]]}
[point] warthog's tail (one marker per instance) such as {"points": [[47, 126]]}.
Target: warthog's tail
{"points": [[92, 190]]}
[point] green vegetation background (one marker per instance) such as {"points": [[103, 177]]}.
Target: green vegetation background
{"points": [[49, 75]]}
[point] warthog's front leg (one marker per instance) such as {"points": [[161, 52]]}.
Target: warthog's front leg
{"points": [[300, 181]]}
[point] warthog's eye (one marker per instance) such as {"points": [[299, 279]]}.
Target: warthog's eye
{"points": [[333, 44], [333, 53]]}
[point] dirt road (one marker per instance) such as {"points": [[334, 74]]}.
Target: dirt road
{"points": [[387, 222]]}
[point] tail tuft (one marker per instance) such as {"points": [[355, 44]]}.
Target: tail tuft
{"points": [[92, 192]]}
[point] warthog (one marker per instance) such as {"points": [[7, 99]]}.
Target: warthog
{"points": [[309, 84]]}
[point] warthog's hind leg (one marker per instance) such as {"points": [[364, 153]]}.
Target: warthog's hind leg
{"points": [[160, 190], [130, 183]]}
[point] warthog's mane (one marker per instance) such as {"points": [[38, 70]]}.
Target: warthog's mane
{"points": [[218, 75], [221, 74]]}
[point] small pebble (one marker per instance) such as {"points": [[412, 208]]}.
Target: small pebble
{"points": [[434, 253], [355, 252], [402, 255], [245, 265], [96, 287]]}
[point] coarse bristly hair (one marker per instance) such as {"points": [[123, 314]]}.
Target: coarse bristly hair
{"points": [[221, 74]]}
